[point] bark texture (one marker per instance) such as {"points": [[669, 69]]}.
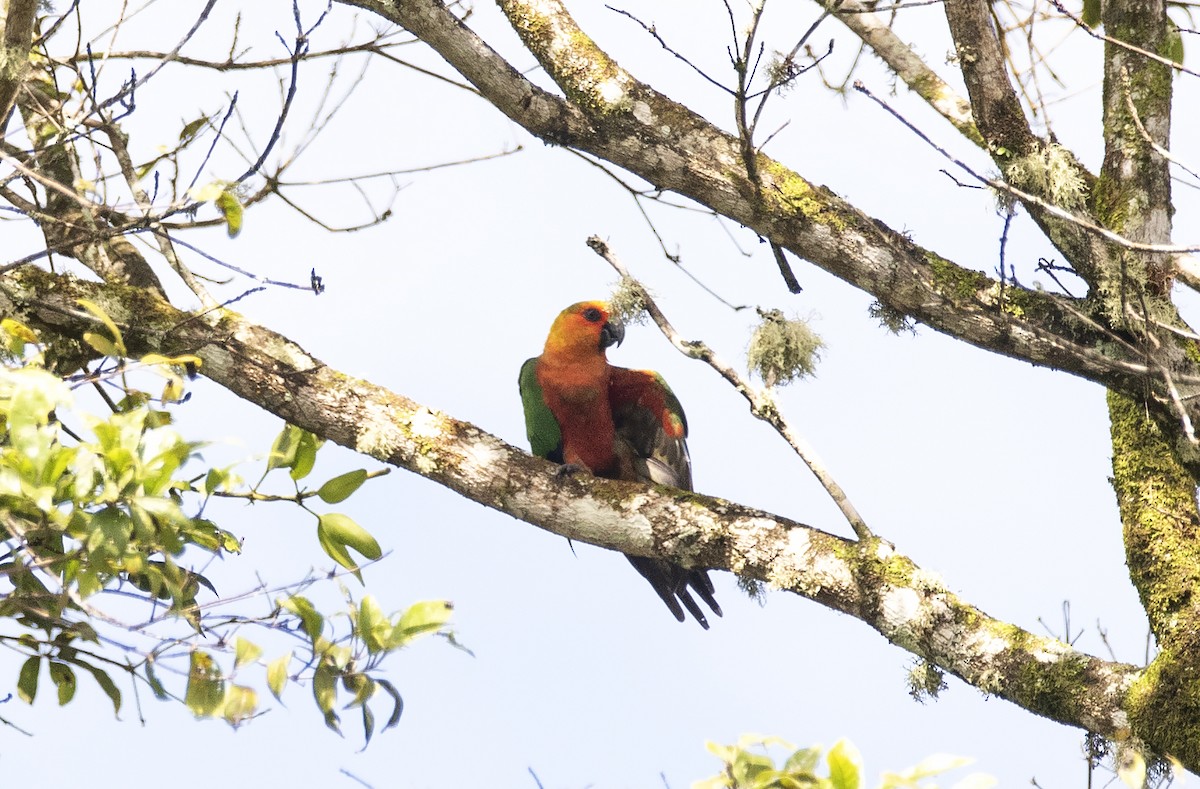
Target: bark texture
{"points": [[868, 580], [1124, 335]]}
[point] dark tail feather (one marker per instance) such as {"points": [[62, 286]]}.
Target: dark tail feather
{"points": [[699, 580], [652, 572], [671, 582], [691, 606]]}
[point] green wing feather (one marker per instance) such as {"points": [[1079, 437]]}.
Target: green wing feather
{"points": [[545, 436]]}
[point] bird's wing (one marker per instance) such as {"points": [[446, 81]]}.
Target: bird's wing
{"points": [[545, 435], [650, 421], [652, 431]]}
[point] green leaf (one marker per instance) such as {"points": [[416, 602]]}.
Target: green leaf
{"points": [[803, 761], [214, 479], [102, 316], [845, 765], [344, 530], [101, 344], [340, 487], [935, 764], [207, 193], [156, 686], [104, 681], [64, 679], [747, 766], [311, 619], [182, 360], [1091, 13], [306, 455], [16, 335], [27, 681], [421, 618], [245, 652], [336, 550], [362, 686], [277, 674], [398, 705], [239, 704], [325, 692], [206, 687], [368, 724], [283, 451], [373, 627], [230, 208]]}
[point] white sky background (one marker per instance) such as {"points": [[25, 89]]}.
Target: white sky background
{"points": [[987, 471]]}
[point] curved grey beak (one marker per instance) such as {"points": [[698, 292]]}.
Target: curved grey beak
{"points": [[612, 333]]}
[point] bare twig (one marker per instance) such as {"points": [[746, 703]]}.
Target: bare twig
{"points": [[762, 403], [1026, 197], [1123, 44]]}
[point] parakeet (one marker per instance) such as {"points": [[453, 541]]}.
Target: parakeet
{"points": [[614, 422]]}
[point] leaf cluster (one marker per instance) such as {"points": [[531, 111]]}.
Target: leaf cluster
{"points": [[748, 765], [95, 509]]}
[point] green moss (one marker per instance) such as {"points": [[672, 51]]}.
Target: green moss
{"points": [[789, 194], [1157, 500], [580, 67], [1164, 708], [954, 281], [1053, 688]]}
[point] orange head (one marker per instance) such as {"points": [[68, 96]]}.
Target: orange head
{"points": [[584, 329]]}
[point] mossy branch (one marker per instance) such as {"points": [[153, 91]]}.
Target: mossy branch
{"points": [[866, 579]]}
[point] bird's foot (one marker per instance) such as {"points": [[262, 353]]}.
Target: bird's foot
{"points": [[569, 469]]}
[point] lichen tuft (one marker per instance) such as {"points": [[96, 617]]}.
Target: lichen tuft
{"points": [[628, 302], [782, 350], [1050, 173]]}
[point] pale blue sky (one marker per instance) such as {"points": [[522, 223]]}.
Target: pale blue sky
{"points": [[986, 471]]}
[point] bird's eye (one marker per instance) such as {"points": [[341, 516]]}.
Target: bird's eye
{"points": [[591, 315]]}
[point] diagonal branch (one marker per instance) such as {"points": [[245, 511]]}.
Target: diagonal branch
{"points": [[608, 113], [868, 579], [14, 50], [762, 403], [1010, 141], [909, 66]]}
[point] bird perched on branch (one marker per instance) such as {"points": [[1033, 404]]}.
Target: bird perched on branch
{"points": [[616, 423]]}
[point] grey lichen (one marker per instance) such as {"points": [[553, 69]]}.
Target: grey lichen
{"points": [[892, 319], [925, 681], [1050, 173], [782, 350], [628, 302]]}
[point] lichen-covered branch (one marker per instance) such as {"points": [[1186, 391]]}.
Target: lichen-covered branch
{"points": [[1156, 498], [78, 228], [867, 579], [16, 37], [1043, 168], [610, 114], [909, 67]]}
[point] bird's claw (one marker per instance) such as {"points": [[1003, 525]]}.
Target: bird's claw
{"points": [[568, 469]]}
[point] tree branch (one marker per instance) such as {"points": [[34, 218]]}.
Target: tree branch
{"points": [[16, 41], [868, 579], [908, 66], [611, 115], [1010, 141]]}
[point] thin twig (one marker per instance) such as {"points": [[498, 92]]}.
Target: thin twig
{"points": [[762, 403], [1026, 197]]}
